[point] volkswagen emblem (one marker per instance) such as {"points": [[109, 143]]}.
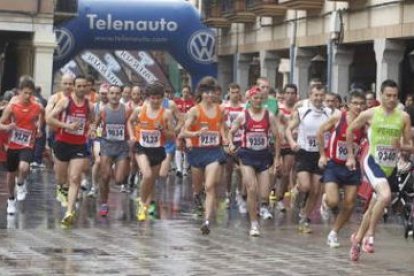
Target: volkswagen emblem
{"points": [[201, 46], [65, 43]]}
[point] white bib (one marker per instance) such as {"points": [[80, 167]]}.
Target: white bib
{"points": [[209, 139], [115, 132], [21, 137], [150, 138], [256, 141], [386, 155], [80, 131]]}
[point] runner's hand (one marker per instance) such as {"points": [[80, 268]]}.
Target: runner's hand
{"points": [[73, 126], [10, 126], [351, 164], [323, 161], [295, 147]]}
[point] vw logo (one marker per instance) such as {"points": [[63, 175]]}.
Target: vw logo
{"points": [[65, 43], [201, 47]]}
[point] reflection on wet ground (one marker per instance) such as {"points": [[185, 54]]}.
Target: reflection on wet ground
{"points": [[33, 243]]}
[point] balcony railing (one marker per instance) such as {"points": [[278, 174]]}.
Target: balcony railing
{"points": [[266, 7], [65, 10], [213, 11], [302, 4], [236, 11]]}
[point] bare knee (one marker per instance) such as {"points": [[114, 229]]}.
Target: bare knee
{"points": [[75, 179], [332, 202]]}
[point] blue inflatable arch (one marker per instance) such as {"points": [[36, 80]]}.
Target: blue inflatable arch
{"points": [[168, 25]]}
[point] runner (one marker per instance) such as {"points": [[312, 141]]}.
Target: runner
{"points": [[308, 118], [204, 125], [96, 146], [336, 174], [72, 116], [290, 96], [112, 117], [387, 125], [23, 119], [232, 109], [255, 156], [184, 104], [126, 94], [67, 86], [149, 127]]}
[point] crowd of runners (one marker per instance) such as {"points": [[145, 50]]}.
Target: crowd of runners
{"points": [[310, 149]]}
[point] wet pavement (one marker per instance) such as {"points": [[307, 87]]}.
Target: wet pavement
{"points": [[33, 243]]}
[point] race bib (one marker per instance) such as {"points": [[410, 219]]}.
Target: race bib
{"points": [[311, 142], [150, 138], [342, 151], [80, 131], [21, 137], [115, 132], [256, 141], [209, 139], [386, 156]]}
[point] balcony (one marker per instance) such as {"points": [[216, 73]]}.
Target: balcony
{"points": [[266, 8], [302, 4], [65, 10], [214, 16], [236, 11]]}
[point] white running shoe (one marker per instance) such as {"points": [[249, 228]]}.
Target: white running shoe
{"points": [[254, 231], [280, 206], [11, 207], [242, 205], [265, 214], [93, 192], [332, 240], [324, 210], [84, 184], [124, 189], [21, 192]]}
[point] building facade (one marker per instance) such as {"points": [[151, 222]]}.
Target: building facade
{"points": [[345, 43], [27, 39]]}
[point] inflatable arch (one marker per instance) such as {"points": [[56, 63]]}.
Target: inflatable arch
{"points": [[167, 25]]}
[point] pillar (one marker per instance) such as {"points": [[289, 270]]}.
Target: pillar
{"points": [[301, 70], [388, 54], [269, 63], [44, 43], [342, 59], [225, 71], [242, 65]]}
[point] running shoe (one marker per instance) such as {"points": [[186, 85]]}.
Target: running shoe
{"points": [[152, 209], [84, 184], [11, 206], [324, 210], [141, 211], [304, 226], [93, 192], [264, 213], [198, 205], [227, 202], [272, 196], [254, 231], [368, 244], [68, 219], [103, 210], [179, 174], [21, 192], [62, 196], [332, 240], [124, 188], [280, 206], [355, 252], [205, 228], [242, 205]]}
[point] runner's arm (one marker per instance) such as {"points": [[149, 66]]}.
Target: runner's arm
{"points": [[5, 117], [169, 131], [132, 120], [407, 144], [52, 117], [293, 123], [274, 124], [359, 122], [189, 121], [325, 127], [224, 130], [235, 126]]}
